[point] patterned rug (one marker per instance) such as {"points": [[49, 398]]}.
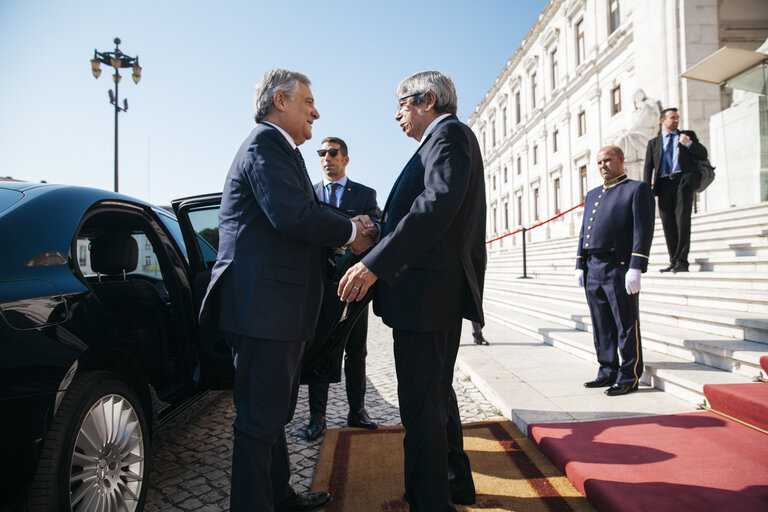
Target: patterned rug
{"points": [[363, 471]]}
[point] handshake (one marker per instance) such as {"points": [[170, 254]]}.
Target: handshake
{"points": [[367, 233]]}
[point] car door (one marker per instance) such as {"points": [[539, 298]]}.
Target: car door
{"points": [[198, 218]]}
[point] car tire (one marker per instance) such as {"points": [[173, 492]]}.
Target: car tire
{"points": [[96, 453]]}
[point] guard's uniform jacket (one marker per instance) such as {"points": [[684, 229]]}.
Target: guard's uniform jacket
{"points": [[616, 235]]}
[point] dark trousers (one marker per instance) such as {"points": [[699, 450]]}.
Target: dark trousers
{"points": [[675, 207], [615, 322], [354, 372], [265, 391], [436, 465]]}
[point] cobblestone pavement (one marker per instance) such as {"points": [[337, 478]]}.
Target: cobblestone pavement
{"points": [[191, 465]]}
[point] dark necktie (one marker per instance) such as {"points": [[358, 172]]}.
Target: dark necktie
{"points": [[332, 193], [669, 153], [303, 165]]}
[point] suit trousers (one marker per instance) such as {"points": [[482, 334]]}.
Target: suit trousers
{"points": [[436, 465], [355, 353], [265, 391], [615, 319], [675, 207]]}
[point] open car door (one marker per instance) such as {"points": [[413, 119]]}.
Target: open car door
{"points": [[323, 355]]}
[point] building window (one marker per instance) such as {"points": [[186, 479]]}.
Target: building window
{"points": [[556, 196], [493, 216], [504, 120], [493, 133], [582, 120], [82, 255], [482, 136], [613, 16], [505, 174], [615, 100], [553, 66], [519, 166], [580, 50], [520, 210], [517, 108], [583, 181], [506, 216], [535, 203], [533, 90], [147, 261], [535, 154], [554, 140], [493, 180]]}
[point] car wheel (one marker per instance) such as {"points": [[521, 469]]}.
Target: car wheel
{"points": [[96, 452]]}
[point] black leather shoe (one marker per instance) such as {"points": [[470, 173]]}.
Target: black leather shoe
{"points": [[479, 340], [679, 268], [600, 382], [361, 419], [667, 269], [304, 502], [620, 389], [316, 427]]}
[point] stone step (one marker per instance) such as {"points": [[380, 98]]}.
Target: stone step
{"points": [[654, 289], [678, 377], [704, 320], [719, 351]]}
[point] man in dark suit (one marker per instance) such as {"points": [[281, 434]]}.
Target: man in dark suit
{"points": [[356, 199], [614, 244], [267, 284], [430, 268], [670, 169]]}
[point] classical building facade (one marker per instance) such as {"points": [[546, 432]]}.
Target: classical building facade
{"points": [[591, 73]]}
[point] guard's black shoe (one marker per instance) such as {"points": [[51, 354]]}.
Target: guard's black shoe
{"points": [[620, 389], [679, 267], [479, 340], [361, 419], [304, 502], [600, 382], [316, 427]]}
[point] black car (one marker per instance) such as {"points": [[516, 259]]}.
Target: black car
{"points": [[100, 345]]}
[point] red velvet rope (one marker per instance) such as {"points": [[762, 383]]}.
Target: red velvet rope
{"points": [[537, 225]]}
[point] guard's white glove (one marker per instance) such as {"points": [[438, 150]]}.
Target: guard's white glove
{"points": [[632, 280], [579, 276]]}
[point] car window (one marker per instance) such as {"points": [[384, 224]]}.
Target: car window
{"points": [[205, 222], [8, 197]]}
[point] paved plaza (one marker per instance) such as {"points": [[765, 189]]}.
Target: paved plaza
{"points": [[191, 465]]}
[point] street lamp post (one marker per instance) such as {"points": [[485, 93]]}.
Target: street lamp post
{"points": [[117, 59]]}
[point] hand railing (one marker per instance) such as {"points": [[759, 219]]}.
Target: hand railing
{"points": [[523, 230]]}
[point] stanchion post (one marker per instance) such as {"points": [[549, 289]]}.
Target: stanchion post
{"points": [[525, 262]]}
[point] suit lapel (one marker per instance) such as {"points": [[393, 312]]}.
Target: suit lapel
{"points": [[402, 173], [346, 197]]}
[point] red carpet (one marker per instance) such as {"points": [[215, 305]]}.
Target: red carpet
{"points": [[747, 402], [696, 461]]}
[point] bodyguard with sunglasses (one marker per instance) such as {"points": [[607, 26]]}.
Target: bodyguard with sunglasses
{"points": [[356, 199]]}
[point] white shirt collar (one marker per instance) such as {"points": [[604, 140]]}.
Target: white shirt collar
{"points": [[285, 134], [431, 127], [340, 181]]}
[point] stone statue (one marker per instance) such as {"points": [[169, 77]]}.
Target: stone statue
{"points": [[645, 126]]}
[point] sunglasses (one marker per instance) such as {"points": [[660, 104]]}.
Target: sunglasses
{"points": [[332, 151]]}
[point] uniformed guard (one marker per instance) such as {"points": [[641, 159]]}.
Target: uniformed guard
{"points": [[614, 244]]}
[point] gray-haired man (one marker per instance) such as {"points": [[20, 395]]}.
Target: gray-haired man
{"points": [[268, 278], [430, 264]]}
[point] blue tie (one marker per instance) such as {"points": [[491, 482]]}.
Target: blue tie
{"points": [[332, 193], [669, 152]]}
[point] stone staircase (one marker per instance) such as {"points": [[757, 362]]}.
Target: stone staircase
{"points": [[708, 326]]}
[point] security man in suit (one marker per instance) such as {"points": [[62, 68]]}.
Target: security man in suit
{"points": [[430, 268], [338, 190], [670, 169], [267, 285], [614, 244]]}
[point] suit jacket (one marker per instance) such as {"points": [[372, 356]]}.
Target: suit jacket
{"points": [[686, 158], [618, 219], [273, 233], [431, 258], [357, 199]]}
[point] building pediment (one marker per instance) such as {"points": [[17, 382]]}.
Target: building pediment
{"points": [[550, 37], [530, 61], [574, 7]]}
